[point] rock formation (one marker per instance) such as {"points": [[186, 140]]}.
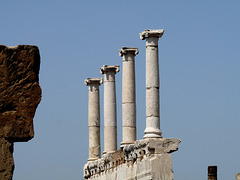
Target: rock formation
{"points": [[20, 95]]}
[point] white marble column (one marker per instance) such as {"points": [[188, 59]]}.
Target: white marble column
{"points": [[94, 117], [110, 110], [152, 83], [128, 95]]}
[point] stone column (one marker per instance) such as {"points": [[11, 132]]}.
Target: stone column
{"points": [[128, 95], [238, 176], [212, 172], [94, 118], [152, 83], [110, 111]]}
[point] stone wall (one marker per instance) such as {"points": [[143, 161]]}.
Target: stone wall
{"points": [[20, 95], [147, 159]]}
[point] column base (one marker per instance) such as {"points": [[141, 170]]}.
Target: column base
{"points": [[105, 152], [125, 143], [152, 133], [93, 159]]}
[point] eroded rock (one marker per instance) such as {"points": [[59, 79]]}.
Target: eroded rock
{"points": [[6, 159], [20, 95]]}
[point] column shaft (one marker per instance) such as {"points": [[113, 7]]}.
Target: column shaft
{"points": [[110, 110], [152, 83], [128, 95], [94, 118]]}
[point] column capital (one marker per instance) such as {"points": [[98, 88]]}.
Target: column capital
{"points": [[151, 33], [106, 68], [130, 50], [90, 81]]}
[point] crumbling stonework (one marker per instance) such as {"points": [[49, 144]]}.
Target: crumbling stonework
{"points": [[147, 159], [20, 95], [6, 159]]}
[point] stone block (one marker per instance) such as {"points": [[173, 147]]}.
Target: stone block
{"points": [[152, 102], [94, 108], [152, 67], [130, 135], [129, 114], [110, 138], [6, 159], [19, 91], [144, 160], [20, 95], [110, 104], [128, 82]]}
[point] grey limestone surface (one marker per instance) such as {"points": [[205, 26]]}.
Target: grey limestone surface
{"points": [[94, 117], [128, 95], [152, 83], [110, 110]]}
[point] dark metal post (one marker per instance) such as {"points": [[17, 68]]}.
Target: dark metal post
{"points": [[212, 172]]}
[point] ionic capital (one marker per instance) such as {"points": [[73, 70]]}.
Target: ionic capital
{"points": [[151, 33], [90, 81], [126, 50], [107, 68]]}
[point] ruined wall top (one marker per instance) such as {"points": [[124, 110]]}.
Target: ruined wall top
{"points": [[130, 154]]}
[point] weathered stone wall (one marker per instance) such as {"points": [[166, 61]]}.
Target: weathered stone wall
{"points": [[6, 159], [147, 159], [20, 95]]}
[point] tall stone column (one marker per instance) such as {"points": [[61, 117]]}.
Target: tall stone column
{"points": [[110, 110], [94, 118], [152, 83], [128, 95]]}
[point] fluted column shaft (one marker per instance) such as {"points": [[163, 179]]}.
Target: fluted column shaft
{"points": [[152, 83], [94, 117], [110, 110], [128, 95]]}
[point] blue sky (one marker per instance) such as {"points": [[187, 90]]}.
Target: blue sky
{"points": [[199, 76]]}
